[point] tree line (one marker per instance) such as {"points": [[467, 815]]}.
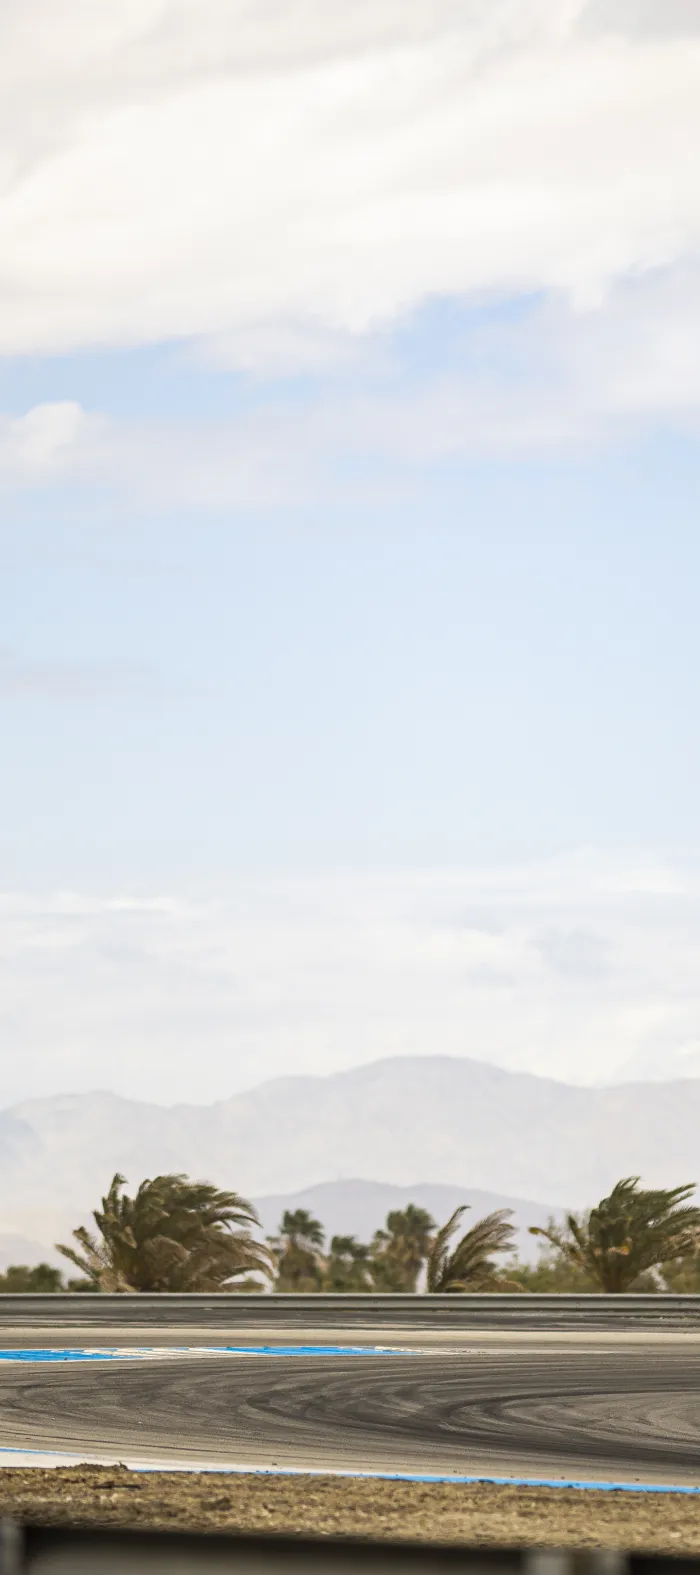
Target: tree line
{"points": [[175, 1234]]}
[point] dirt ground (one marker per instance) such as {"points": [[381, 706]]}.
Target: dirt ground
{"points": [[480, 1513]]}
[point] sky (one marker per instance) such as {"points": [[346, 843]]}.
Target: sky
{"points": [[349, 547]]}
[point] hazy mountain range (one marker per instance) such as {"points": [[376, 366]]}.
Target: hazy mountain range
{"points": [[358, 1208], [416, 1124]]}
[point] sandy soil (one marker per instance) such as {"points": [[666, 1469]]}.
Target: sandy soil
{"points": [[445, 1512]]}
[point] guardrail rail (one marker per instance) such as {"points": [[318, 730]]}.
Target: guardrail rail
{"points": [[229, 1312]]}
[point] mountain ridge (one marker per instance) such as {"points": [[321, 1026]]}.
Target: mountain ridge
{"points": [[461, 1122], [494, 1072], [357, 1207]]}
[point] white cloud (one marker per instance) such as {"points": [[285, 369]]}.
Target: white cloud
{"points": [[578, 968], [284, 348], [174, 169], [48, 442], [556, 377], [255, 461]]}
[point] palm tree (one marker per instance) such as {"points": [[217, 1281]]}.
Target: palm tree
{"points": [[399, 1251], [347, 1266], [630, 1233], [174, 1235], [297, 1248], [552, 1274], [469, 1267]]}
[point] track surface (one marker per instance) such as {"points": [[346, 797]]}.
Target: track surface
{"points": [[514, 1407]]}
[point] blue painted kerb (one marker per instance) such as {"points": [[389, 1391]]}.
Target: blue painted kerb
{"points": [[113, 1353], [580, 1484]]}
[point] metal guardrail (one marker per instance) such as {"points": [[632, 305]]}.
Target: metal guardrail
{"points": [[68, 1551], [227, 1313]]}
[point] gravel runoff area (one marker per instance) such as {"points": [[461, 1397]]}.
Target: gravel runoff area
{"points": [[471, 1514]]}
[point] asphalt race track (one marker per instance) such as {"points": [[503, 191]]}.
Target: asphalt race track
{"points": [[518, 1405]]}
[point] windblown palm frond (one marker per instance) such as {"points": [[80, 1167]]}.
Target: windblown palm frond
{"points": [[105, 1262], [174, 1235], [469, 1267], [631, 1232]]}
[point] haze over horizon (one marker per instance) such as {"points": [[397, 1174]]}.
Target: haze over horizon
{"points": [[583, 970], [68, 1098], [349, 460], [416, 1123]]}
